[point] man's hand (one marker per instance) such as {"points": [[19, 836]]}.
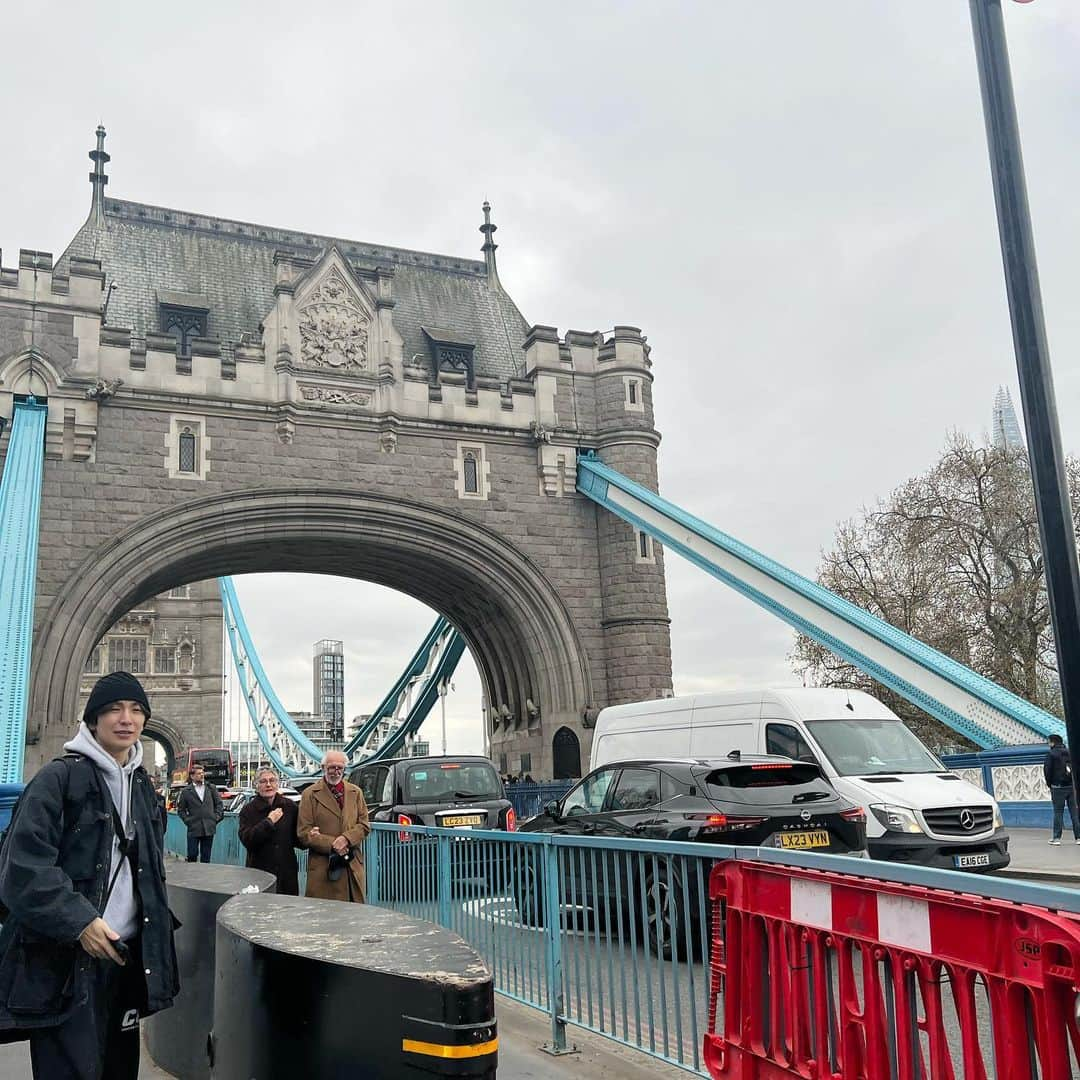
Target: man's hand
{"points": [[341, 845], [97, 941], [276, 815], [315, 831]]}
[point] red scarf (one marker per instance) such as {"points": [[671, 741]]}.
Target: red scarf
{"points": [[338, 791]]}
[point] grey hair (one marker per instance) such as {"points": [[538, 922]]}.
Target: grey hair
{"points": [[266, 769], [329, 752]]}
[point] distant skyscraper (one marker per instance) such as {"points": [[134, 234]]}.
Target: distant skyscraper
{"points": [[1004, 427], [328, 679]]}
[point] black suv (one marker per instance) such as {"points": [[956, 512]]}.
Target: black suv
{"points": [[453, 792], [756, 801]]}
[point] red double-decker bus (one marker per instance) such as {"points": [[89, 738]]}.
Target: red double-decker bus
{"points": [[217, 761]]}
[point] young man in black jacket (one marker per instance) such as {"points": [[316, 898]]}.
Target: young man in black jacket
{"points": [[1058, 773], [87, 947]]}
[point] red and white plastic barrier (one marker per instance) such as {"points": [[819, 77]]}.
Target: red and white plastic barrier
{"points": [[825, 975]]}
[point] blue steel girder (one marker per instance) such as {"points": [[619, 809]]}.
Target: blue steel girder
{"points": [[402, 711], [20, 507], [965, 701]]}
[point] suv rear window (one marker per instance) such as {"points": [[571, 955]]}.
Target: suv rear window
{"points": [[452, 780], [765, 783]]}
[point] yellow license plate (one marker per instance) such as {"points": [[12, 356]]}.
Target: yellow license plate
{"points": [[459, 820], [814, 838]]}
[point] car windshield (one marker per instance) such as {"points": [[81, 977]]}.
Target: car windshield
{"points": [[872, 747], [437, 783]]}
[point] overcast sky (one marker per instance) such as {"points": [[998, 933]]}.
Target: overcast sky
{"points": [[792, 199]]}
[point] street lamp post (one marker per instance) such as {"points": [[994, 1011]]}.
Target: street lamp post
{"points": [[1032, 358]]}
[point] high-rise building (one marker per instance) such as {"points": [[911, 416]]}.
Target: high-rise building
{"points": [[328, 681], [1004, 427]]}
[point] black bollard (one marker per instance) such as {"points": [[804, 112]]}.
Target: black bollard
{"points": [[322, 988], [177, 1038]]}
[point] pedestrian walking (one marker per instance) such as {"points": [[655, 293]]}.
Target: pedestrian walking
{"points": [[86, 948], [333, 824], [1058, 773], [200, 809], [268, 832]]}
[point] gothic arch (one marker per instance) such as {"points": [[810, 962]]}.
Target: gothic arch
{"points": [[516, 625], [29, 371], [168, 735], [565, 755]]}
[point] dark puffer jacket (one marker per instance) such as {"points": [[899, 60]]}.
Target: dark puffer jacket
{"points": [[54, 873]]}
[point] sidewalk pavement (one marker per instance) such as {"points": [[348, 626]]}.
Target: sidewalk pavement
{"points": [[521, 1032], [1033, 857]]}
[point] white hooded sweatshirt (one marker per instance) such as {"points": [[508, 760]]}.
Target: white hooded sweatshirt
{"points": [[122, 911]]}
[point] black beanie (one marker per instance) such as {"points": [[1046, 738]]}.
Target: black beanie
{"points": [[116, 686]]}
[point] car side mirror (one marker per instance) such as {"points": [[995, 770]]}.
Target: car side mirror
{"points": [[552, 811]]}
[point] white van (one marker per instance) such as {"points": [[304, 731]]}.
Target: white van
{"points": [[917, 811]]}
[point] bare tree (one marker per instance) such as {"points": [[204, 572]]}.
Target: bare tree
{"points": [[952, 557]]}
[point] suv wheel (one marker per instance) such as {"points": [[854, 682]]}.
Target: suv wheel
{"points": [[664, 914], [530, 898]]}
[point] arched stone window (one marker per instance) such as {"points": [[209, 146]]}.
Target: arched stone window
{"points": [[472, 475], [473, 480], [187, 448], [565, 755], [187, 659], [644, 553], [187, 451]]}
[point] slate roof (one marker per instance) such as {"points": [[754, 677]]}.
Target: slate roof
{"points": [[151, 251]]}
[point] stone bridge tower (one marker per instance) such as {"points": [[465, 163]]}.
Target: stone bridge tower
{"points": [[226, 398]]}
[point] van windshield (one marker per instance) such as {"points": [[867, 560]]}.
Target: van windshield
{"points": [[872, 747]]}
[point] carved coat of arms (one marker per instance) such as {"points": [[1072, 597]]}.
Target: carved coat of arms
{"points": [[334, 328]]}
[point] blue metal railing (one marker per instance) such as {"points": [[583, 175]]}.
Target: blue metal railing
{"points": [[605, 934], [20, 507], [227, 848], [528, 800], [1025, 813]]}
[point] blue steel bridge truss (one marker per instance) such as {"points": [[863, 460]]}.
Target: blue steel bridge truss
{"points": [[399, 715], [965, 701], [20, 503]]}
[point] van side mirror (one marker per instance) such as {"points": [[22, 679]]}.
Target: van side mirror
{"points": [[552, 811]]}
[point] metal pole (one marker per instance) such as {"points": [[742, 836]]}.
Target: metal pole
{"points": [[1032, 358], [442, 705]]}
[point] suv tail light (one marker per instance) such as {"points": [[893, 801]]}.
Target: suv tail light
{"points": [[724, 822], [404, 819], [857, 815], [511, 820]]}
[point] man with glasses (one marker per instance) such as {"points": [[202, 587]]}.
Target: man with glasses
{"points": [[268, 832], [333, 824]]}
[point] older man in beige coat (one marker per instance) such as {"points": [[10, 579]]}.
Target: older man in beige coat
{"points": [[333, 820]]}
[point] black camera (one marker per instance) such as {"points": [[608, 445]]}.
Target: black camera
{"points": [[337, 864]]}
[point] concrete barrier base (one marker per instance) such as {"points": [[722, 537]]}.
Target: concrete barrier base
{"points": [[331, 990]]}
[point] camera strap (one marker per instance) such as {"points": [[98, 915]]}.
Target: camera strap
{"points": [[127, 851]]}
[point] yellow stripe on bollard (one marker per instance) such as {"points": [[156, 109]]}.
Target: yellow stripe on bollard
{"points": [[440, 1050]]}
